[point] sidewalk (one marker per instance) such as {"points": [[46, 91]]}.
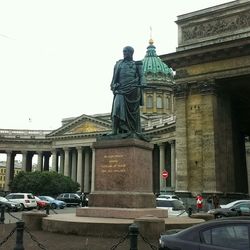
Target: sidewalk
{"points": [[54, 241]]}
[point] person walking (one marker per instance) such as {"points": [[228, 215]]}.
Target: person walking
{"points": [[199, 202], [216, 201]]}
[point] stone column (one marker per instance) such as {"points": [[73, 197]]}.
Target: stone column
{"points": [[247, 145], [29, 161], [172, 144], [8, 171], [93, 171], [24, 161], [79, 167], [46, 161], [86, 188], [181, 138], [61, 162], [54, 160], [40, 161], [74, 166], [66, 162], [162, 166]]}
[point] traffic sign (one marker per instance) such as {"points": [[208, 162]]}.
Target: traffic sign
{"points": [[165, 174]]}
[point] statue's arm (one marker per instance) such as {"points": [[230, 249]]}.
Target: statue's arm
{"points": [[114, 82], [139, 66]]}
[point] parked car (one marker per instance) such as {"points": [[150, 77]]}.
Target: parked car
{"points": [[174, 206], [222, 234], [27, 200], [70, 199], [54, 203], [237, 209], [228, 205], [10, 205], [170, 196], [41, 204]]}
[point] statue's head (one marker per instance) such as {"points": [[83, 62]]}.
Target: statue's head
{"points": [[128, 52]]}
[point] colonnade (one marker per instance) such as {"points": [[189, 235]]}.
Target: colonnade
{"points": [[78, 163], [163, 148], [75, 162]]}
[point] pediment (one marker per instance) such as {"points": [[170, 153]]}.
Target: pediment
{"points": [[83, 125], [87, 127]]}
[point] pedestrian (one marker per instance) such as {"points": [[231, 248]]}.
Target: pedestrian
{"points": [[216, 201], [209, 202], [199, 202]]}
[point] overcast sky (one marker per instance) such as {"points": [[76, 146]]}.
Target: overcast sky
{"points": [[57, 56]]}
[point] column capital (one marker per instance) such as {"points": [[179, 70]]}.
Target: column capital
{"points": [[79, 148], [66, 149], [8, 152], [171, 142]]}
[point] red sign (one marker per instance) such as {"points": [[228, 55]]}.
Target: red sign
{"points": [[165, 174]]}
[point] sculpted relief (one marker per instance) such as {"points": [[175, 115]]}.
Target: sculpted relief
{"points": [[217, 27]]}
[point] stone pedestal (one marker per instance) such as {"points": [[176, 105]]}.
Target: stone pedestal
{"points": [[123, 181], [123, 174], [33, 220]]}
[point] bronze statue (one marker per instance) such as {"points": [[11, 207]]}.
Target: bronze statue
{"points": [[127, 83]]}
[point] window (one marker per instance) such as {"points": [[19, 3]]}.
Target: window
{"points": [[149, 101], [166, 102], [18, 196], [159, 102], [231, 236]]}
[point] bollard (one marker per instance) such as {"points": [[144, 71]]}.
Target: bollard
{"points": [[19, 235], [47, 209], [2, 218], [133, 234]]}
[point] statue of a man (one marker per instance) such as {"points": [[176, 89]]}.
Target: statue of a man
{"points": [[126, 85]]}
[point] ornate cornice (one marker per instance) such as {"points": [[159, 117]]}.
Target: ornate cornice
{"points": [[180, 90], [201, 87]]}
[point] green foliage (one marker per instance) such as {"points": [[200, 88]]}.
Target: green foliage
{"points": [[43, 183]]}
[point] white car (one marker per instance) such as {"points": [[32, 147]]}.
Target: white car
{"points": [[170, 196], [174, 206], [27, 200]]}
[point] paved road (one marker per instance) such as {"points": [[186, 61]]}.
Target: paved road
{"points": [[13, 217]]}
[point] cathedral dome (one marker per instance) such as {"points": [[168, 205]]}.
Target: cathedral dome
{"points": [[153, 67]]}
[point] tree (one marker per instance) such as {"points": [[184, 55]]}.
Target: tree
{"points": [[43, 183]]}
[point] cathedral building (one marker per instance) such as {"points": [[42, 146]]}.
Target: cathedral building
{"points": [[196, 112]]}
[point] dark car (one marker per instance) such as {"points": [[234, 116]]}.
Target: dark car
{"points": [[221, 234], [71, 199], [10, 205], [238, 209], [54, 203]]}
